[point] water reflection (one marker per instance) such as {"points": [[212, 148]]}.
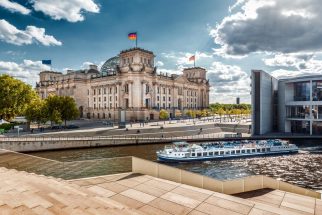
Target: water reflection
{"points": [[303, 169]]}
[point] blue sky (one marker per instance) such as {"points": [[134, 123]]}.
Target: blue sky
{"points": [[228, 37]]}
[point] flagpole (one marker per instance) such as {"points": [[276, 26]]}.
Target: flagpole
{"points": [[136, 40]]}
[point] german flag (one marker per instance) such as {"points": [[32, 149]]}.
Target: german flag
{"points": [[132, 36]]}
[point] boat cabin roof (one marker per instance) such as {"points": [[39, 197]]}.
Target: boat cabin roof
{"points": [[180, 143]]}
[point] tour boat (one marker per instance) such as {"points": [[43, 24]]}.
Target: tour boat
{"points": [[183, 151]]}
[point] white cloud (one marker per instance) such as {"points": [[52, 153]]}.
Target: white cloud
{"points": [[291, 65], [288, 26], [159, 63], [10, 34], [228, 82], [14, 7], [182, 58], [26, 71], [71, 10], [289, 60]]}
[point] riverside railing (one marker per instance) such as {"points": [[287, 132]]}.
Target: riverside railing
{"points": [[119, 137]]}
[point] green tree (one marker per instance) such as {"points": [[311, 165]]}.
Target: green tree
{"points": [[61, 108], [163, 114], [15, 96], [221, 112], [191, 113], [52, 109], [36, 112], [69, 110]]}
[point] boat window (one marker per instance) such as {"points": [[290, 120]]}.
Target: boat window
{"points": [[253, 150], [237, 151], [193, 154], [248, 150], [221, 152], [205, 154], [258, 150], [199, 154], [211, 153], [232, 152], [216, 153], [227, 152], [268, 149], [243, 151]]}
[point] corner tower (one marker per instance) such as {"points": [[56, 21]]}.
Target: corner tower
{"points": [[195, 74], [136, 60]]}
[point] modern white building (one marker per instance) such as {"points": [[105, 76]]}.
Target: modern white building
{"points": [[292, 105]]}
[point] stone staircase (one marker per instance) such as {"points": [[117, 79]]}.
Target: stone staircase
{"points": [[28, 193], [65, 170]]}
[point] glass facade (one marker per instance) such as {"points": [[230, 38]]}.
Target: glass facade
{"points": [[302, 91], [302, 126], [317, 90], [317, 111], [301, 112], [317, 128]]}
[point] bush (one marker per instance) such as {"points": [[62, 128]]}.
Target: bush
{"points": [[6, 126]]}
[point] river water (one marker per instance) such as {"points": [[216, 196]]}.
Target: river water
{"points": [[303, 169]]}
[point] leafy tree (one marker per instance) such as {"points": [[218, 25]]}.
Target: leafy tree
{"points": [[53, 106], [36, 112], [191, 114], [220, 112], [163, 114], [69, 110], [61, 108], [15, 96]]}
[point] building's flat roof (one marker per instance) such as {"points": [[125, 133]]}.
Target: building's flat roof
{"points": [[299, 78]]}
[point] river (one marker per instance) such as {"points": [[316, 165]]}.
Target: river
{"points": [[303, 169]]}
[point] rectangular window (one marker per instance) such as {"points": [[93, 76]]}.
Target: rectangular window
{"points": [[126, 88], [158, 98], [94, 92], [302, 91]]}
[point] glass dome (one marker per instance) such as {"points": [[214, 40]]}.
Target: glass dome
{"points": [[109, 67]]}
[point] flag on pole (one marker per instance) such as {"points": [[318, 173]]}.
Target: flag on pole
{"points": [[133, 36], [193, 58], [46, 62]]}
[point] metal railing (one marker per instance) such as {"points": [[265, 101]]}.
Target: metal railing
{"points": [[120, 137]]}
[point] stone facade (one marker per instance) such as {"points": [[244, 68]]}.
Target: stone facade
{"points": [[133, 86]]}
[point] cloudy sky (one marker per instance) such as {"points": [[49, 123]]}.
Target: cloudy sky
{"points": [[229, 38]]}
